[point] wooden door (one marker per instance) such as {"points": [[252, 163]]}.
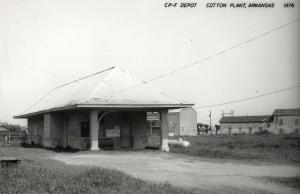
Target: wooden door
{"points": [[126, 135]]}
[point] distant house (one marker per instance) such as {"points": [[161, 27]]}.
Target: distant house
{"points": [[286, 121], [108, 106], [282, 121], [244, 124], [182, 122], [4, 133]]}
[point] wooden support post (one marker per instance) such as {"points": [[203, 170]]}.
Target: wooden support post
{"points": [[94, 129], [164, 130]]}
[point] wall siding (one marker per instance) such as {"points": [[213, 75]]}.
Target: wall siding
{"points": [[173, 117], [245, 128], [288, 125], [188, 122], [35, 130]]}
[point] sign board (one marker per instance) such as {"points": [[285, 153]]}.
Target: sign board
{"points": [[115, 132]]}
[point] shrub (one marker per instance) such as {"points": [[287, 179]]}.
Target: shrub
{"points": [[263, 132]]}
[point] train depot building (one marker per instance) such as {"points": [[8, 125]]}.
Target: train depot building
{"points": [[108, 108]]}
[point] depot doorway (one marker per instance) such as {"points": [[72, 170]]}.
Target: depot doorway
{"points": [[125, 135]]}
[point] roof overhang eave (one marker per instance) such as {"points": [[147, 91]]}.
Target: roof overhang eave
{"points": [[170, 106], [121, 106], [245, 122], [23, 116]]}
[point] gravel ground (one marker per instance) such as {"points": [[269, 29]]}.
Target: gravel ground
{"points": [[214, 175]]}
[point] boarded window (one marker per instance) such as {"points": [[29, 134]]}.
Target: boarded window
{"points": [[85, 129], [154, 126], [250, 130]]}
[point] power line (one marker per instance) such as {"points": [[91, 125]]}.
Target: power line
{"points": [[186, 66], [211, 56], [224, 51], [248, 98]]}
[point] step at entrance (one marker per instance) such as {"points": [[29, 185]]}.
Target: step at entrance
{"points": [[106, 143]]}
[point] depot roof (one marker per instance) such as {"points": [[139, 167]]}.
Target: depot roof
{"points": [[110, 88]]}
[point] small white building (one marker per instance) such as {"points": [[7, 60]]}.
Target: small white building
{"points": [[182, 122]]}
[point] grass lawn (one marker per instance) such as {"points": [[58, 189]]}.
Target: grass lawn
{"points": [[293, 182], [263, 148], [38, 174]]}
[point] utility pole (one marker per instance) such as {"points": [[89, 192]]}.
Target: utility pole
{"points": [[210, 122]]}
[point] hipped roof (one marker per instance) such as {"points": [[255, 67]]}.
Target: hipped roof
{"points": [[110, 88], [287, 112]]}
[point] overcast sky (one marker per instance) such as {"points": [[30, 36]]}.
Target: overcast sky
{"points": [[45, 43]]}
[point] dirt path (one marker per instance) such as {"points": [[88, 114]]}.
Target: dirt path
{"points": [[187, 171]]}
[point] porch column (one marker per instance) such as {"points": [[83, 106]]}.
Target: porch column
{"points": [[164, 130], [94, 130]]}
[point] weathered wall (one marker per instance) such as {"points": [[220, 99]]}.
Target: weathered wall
{"points": [[47, 128], [188, 122], [35, 130], [244, 128], [73, 132], [290, 124], [287, 125], [53, 130], [64, 129], [174, 123], [137, 122]]}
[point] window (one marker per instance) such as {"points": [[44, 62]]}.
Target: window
{"points": [[85, 129], [229, 130], [240, 129], [296, 131], [280, 131], [260, 129], [250, 130], [276, 119], [156, 123], [296, 121], [280, 121], [154, 127], [268, 125]]}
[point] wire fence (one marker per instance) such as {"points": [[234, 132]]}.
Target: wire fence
{"points": [[11, 138]]}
